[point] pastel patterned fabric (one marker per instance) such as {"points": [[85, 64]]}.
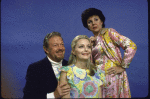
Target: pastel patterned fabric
{"points": [[106, 53], [57, 72], [82, 84]]}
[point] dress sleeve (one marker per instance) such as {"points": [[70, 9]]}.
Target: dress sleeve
{"points": [[69, 72], [100, 76], [128, 45]]}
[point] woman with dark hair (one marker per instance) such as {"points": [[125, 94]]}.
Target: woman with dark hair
{"points": [[106, 54]]}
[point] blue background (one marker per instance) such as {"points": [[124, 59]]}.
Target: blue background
{"points": [[25, 23]]}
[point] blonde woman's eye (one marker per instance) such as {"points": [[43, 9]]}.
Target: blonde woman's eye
{"points": [[80, 46], [89, 46]]}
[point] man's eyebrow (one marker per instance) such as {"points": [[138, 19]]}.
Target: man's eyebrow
{"points": [[58, 43]]}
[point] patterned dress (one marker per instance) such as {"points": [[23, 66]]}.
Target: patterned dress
{"points": [[106, 53], [82, 84]]}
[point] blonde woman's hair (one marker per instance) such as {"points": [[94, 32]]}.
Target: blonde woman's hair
{"points": [[72, 58]]}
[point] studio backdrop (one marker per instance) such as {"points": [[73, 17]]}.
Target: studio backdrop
{"points": [[25, 23]]}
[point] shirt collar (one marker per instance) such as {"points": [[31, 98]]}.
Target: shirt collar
{"points": [[55, 63], [103, 30]]}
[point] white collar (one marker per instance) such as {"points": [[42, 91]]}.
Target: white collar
{"points": [[54, 63]]}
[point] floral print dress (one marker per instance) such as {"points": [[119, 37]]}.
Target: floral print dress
{"points": [[106, 53], [82, 84]]}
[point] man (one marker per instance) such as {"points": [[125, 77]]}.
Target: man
{"points": [[41, 76]]}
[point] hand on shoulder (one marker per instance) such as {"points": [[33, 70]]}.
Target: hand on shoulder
{"points": [[93, 39]]}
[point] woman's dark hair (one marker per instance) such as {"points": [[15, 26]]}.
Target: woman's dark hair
{"points": [[90, 12]]}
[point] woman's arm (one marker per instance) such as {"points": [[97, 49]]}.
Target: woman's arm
{"points": [[128, 45], [63, 80]]}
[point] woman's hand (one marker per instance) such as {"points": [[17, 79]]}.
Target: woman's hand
{"points": [[93, 39], [61, 90], [115, 70], [65, 87]]}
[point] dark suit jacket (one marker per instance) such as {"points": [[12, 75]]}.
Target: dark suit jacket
{"points": [[40, 79]]}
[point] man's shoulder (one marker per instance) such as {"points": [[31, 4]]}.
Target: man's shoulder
{"points": [[39, 63]]}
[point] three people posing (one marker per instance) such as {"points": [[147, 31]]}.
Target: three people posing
{"points": [[95, 68]]}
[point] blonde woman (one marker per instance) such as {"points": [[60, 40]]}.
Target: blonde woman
{"points": [[81, 74]]}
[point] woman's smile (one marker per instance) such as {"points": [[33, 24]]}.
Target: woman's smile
{"points": [[82, 49]]}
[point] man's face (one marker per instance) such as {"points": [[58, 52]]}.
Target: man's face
{"points": [[56, 49]]}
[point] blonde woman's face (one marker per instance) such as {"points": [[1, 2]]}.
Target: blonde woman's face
{"points": [[82, 50]]}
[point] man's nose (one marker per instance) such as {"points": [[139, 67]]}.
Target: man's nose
{"points": [[61, 47]]}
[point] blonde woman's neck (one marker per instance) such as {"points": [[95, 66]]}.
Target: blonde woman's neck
{"points": [[81, 64]]}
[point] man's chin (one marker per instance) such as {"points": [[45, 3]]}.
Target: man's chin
{"points": [[60, 58]]}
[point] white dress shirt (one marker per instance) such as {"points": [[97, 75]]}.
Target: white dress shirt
{"points": [[56, 66]]}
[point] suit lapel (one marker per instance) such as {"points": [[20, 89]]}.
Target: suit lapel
{"points": [[48, 65]]}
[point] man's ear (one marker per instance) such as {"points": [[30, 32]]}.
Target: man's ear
{"points": [[45, 49]]}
